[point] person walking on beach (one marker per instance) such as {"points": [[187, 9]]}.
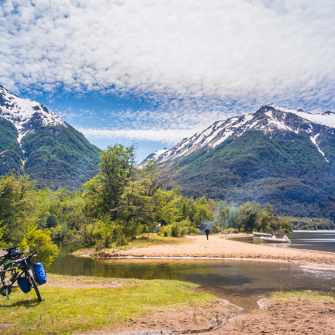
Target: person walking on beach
{"points": [[207, 232]]}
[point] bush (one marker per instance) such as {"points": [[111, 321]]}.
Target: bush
{"points": [[215, 229], [165, 230], [39, 241], [192, 230], [118, 236], [178, 229]]}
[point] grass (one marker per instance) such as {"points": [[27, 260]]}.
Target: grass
{"points": [[304, 295], [152, 239], [64, 311], [144, 241]]}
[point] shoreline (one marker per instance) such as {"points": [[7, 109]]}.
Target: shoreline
{"points": [[220, 247], [302, 264]]}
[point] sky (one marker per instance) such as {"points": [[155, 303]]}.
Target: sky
{"points": [[152, 72]]}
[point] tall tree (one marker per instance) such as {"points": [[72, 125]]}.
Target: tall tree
{"points": [[117, 169]]}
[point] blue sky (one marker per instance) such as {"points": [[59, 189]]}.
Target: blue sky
{"points": [[152, 72]]}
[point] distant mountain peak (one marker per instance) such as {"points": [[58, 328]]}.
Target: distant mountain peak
{"points": [[26, 115], [271, 119]]}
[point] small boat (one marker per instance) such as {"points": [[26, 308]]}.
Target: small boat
{"points": [[274, 239], [254, 234]]}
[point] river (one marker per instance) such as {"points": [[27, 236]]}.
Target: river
{"points": [[241, 282], [322, 240]]}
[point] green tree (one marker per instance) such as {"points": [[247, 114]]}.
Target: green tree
{"points": [[16, 206], [145, 204], [116, 170]]}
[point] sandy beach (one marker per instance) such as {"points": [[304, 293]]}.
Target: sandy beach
{"points": [[219, 246]]}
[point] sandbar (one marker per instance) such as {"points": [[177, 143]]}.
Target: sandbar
{"points": [[220, 247]]}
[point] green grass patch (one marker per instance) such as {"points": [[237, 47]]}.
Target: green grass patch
{"points": [[144, 241], [152, 239], [63, 311], [304, 295]]}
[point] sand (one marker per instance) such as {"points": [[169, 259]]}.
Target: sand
{"points": [[222, 318], [219, 246], [285, 317]]}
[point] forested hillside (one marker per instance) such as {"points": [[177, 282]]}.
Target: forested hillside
{"points": [[59, 157], [8, 135], [289, 173]]}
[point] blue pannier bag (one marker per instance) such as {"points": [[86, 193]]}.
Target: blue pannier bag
{"points": [[24, 285], [40, 273]]}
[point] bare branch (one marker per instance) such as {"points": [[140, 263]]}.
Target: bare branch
{"points": [[3, 155]]}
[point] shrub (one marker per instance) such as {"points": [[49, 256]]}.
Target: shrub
{"points": [[178, 229], [37, 240], [192, 230], [165, 230], [215, 229]]}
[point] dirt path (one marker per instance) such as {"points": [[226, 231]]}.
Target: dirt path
{"points": [[218, 246]]}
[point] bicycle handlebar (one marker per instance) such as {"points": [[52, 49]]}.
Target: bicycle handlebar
{"points": [[11, 248], [23, 258]]}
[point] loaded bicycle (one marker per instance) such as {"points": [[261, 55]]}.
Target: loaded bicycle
{"points": [[22, 271]]}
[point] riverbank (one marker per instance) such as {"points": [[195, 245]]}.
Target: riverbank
{"points": [[101, 306], [218, 246], [71, 305], [304, 312]]}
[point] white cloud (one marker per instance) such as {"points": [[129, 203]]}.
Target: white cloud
{"points": [[168, 136], [202, 60]]}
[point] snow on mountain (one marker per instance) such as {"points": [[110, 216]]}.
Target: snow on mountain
{"points": [[26, 115], [273, 120], [327, 118]]}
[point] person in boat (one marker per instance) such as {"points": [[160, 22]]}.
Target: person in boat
{"points": [[207, 232]]}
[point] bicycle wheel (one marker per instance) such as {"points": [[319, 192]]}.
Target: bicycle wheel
{"points": [[5, 289], [5, 273], [33, 282]]}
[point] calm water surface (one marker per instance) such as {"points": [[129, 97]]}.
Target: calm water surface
{"points": [[241, 282], [322, 240]]}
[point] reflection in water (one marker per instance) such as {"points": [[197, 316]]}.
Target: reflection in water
{"points": [[311, 240], [241, 282]]}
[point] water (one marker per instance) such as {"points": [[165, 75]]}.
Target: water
{"points": [[322, 240], [241, 282]]}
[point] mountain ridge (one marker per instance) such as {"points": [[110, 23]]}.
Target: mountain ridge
{"points": [[271, 119], [273, 155]]}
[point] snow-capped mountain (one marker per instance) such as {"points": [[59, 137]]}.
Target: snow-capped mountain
{"points": [[26, 115], [54, 154], [275, 121]]}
